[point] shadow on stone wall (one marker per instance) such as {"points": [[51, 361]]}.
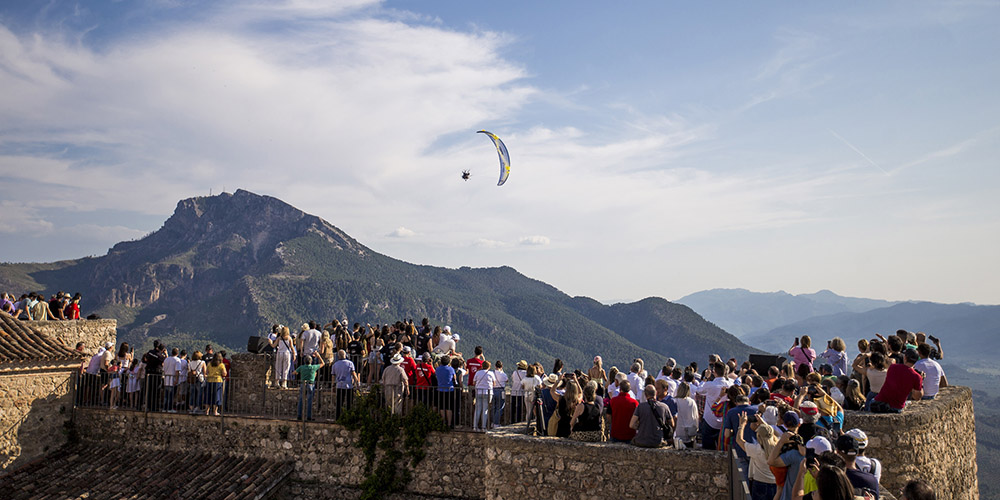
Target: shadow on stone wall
{"points": [[35, 415]]}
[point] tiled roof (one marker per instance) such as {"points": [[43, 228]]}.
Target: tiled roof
{"points": [[19, 343], [95, 473]]}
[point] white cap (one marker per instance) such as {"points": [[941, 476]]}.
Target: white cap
{"points": [[447, 329], [859, 436], [109, 345], [819, 444], [456, 337]]}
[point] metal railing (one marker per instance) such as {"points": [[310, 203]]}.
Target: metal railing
{"points": [[320, 400], [738, 487]]}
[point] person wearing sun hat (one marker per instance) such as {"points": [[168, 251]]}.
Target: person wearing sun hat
{"points": [[517, 391], [395, 384], [864, 463]]}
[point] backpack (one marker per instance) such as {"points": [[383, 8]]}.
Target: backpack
{"points": [[666, 428]]}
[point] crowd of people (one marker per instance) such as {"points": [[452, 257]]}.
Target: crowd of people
{"points": [[35, 307], [155, 381], [785, 423]]}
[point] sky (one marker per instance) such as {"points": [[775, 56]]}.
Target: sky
{"points": [[657, 148]]}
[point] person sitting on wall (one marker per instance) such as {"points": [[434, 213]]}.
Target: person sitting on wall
{"points": [[652, 421], [933, 374], [901, 381]]}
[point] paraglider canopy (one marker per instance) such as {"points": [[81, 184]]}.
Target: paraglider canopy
{"points": [[504, 157]]}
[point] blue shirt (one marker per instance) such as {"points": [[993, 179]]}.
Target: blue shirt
{"points": [[732, 422], [669, 401], [792, 459], [445, 378], [342, 370]]}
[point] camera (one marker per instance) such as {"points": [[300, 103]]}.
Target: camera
{"points": [[933, 338]]}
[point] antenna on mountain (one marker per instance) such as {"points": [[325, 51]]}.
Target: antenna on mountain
{"points": [[210, 191]]}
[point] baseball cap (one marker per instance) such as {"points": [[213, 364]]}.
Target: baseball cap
{"points": [[447, 329], [847, 445], [819, 444], [860, 437], [791, 419], [109, 345], [809, 411], [406, 349], [911, 355], [456, 337], [770, 415]]}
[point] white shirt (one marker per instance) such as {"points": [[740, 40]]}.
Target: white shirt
{"points": [[687, 413], [182, 369], [672, 386], [759, 471], [613, 390], [310, 341], [637, 384], [484, 380], [516, 389], [95, 362], [170, 366], [529, 383], [500, 379], [285, 345], [446, 345], [713, 391], [932, 375]]}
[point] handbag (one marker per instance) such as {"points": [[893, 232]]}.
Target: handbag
{"points": [[553, 426], [666, 429]]}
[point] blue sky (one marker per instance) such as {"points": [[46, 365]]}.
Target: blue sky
{"points": [[657, 149]]}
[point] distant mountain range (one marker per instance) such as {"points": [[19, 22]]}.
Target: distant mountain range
{"points": [[745, 313], [225, 267], [771, 321]]}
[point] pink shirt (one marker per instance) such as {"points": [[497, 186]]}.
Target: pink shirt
{"points": [[802, 356]]}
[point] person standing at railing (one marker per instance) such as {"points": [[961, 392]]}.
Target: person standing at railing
{"points": [[183, 385], [499, 383], [307, 382], [285, 351], [347, 379], [154, 375], [474, 364], [196, 374], [395, 384], [517, 391], [170, 377], [425, 379], [446, 381], [483, 381], [215, 375]]}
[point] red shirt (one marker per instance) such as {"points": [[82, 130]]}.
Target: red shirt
{"points": [[72, 311], [473, 365], [425, 374], [899, 381], [622, 408], [410, 367]]}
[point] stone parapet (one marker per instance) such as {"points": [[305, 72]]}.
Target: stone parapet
{"points": [[34, 408], [92, 332], [934, 440]]}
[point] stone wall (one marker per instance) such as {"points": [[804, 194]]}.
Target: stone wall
{"points": [[933, 440], [34, 408], [92, 333], [519, 466], [495, 466]]}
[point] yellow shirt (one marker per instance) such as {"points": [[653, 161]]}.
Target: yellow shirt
{"points": [[215, 373]]}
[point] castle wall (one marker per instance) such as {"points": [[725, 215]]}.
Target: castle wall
{"points": [[93, 333], [35, 403], [933, 440], [458, 464]]}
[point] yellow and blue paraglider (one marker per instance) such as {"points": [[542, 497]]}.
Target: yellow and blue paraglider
{"points": [[504, 157]]}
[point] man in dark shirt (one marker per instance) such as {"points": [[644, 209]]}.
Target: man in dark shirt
{"points": [[649, 419], [154, 375], [847, 448], [355, 349]]}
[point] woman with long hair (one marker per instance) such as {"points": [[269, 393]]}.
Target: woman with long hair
{"points": [[687, 415], [853, 398], [612, 387], [566, 406], [763, 484], [875, 374], [284, 349], [587, 423], [327, 352]]}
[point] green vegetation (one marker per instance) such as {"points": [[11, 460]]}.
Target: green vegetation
{"points": [[379, 430]]}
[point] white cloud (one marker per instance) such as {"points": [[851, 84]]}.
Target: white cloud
{"points": [[487, 243], [534, 240], [401, 232]]}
